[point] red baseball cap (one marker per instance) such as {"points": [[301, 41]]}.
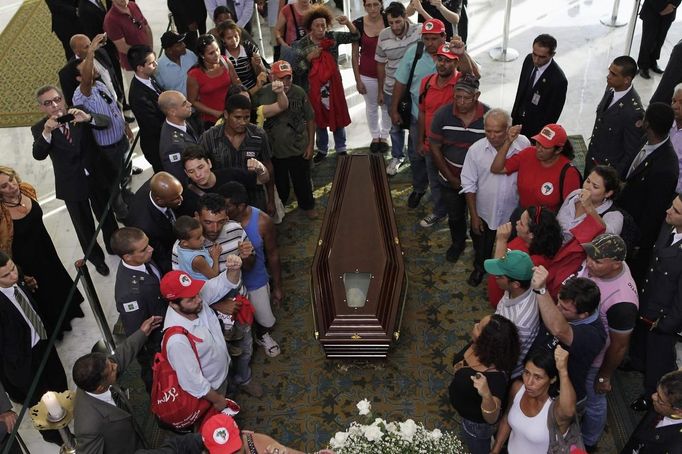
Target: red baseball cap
{"points": [[433, 26], [220, 435], [552, 135], [177, 284], [280, 68], [445, 50]]}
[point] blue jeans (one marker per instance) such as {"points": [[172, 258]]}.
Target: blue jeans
{"points": [[594, 419], [436, 194], [477, 436], [240, 368], [397, 134], [322, 140], [420, 179]]}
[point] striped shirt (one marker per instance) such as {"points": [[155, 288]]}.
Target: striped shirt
{"points": [[225, 155], [242, 64], [390, 50], [523, 312], [454, 137], [102, 102]]}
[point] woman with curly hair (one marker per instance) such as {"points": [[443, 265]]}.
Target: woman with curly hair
{"points": [[538, 234], [481, 377], [317, 71]]}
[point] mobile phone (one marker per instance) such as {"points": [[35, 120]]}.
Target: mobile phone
{"points": [[65, 118]]}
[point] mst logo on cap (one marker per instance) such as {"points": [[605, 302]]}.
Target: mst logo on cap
{"points": [[547, 133]]}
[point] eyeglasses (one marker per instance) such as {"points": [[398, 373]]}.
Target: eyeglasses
{"points": [[136, 22], [56, 100]]}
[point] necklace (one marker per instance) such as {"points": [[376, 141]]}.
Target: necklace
{"points": [[14, 204]]}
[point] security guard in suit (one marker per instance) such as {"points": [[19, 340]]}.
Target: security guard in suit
{"points": [[617, 135], [137, 292], [176, 133]]}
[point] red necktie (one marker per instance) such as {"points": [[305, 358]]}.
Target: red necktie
{"points": [[67, 133]]}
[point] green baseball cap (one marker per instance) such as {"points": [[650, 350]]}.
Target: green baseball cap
{"points": [[515, 264], [606, 246]]}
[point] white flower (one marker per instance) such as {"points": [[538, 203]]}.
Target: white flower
{"points": [[339, 440], [408, 429], [373, 433], [364, 406], [436, 434], [391, 427]]}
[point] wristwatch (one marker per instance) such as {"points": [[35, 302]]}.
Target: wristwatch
{"points": [[540, 291], [602, 380]]}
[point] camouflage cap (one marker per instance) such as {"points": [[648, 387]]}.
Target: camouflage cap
{"points": [[606, 246]]}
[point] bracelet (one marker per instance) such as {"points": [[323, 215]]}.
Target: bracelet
{"points": [[489, 412]]}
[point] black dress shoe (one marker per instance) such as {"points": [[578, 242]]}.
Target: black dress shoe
{"points": [[137, 170], [129, 119], [374, 147], [384, 147], [476, 277], [641, 404], [319, 157], [655, 68], [102, 269], [644, 74]]}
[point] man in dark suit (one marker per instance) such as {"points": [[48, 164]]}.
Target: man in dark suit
{"points": [[143, 97], [102, 414], [617, 135], [65, 22], [176, 133], [190, 18], [137, 292], [660, 431], [68, 75], [23, 344], [661, 304], [541, 93], [78, 173], [671, 76], [650, 185], [152, 211], [657, 17]]}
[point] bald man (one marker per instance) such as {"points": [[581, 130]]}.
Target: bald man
{"points": [[153, 210], [103, 65], [176, 133]]}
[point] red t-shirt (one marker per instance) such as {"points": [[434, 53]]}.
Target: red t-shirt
{"points": [[212, 90], [539, 185], [131, 27], [495, 293], [435, 98]]}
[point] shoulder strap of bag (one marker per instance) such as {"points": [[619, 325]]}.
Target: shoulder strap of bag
{"points": [[417, 56], [422, 95], [293, 16], [180, 330], [562, 177]]}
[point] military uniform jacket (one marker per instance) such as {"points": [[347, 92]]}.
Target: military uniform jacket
{"points": [[649, 439], [662, 294], [617, 135], [138, 297], [172, 143], [102, 428]]}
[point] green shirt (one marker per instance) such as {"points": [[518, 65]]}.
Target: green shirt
{"points": [[287, 131]]}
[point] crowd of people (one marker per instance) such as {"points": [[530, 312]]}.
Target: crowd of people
{"points": [[584, 269]]}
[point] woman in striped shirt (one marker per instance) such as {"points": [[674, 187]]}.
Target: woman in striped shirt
{"points": [[244, 56]]}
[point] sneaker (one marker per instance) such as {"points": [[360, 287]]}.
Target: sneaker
{"points": [[252, 389], [393, 166], [319, 157], [269, 344], [414, 198], [431, 219]]}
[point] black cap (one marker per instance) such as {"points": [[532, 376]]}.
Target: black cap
{"points": [[169, 39]]}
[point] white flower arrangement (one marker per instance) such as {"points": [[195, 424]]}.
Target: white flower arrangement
{"points": [[378, 436]]}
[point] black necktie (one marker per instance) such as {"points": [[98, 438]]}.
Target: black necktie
{"points": [[607, 100], [170, 216], [122, 402], [151, 271], [30, 313], [190, 132], [156, 85]]}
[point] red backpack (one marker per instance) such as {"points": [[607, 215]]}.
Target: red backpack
{"points": [[169, 402]]}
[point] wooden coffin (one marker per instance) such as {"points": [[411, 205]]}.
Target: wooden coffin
{"points": [[358, 280]]}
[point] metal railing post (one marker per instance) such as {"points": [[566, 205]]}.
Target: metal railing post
{"points": [[96, 306], [612, 20], [504, 53], [631, 28]]}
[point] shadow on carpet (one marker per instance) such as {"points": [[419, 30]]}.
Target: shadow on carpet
{"points": [[308, 398]]}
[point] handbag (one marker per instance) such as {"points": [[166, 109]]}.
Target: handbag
{"points": [[571, 442], [169, 402], [405, 103]]}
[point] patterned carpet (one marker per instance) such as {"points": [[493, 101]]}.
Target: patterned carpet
{"points": [[308, 398], [30, 56]]}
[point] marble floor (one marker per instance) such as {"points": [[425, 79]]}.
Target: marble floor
{"points": [[585, 50]]}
